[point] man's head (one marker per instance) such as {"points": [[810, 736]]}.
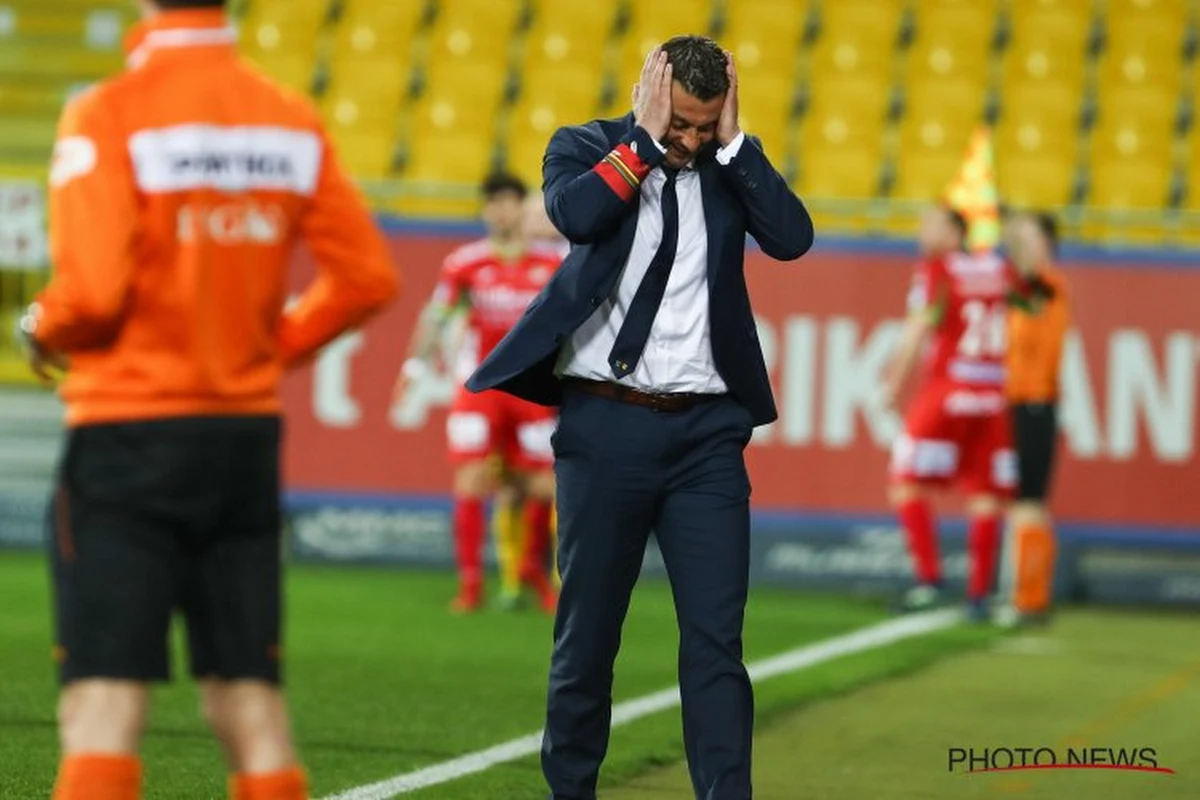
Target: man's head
{"points": [[698, 66], [503, 205], [536, 222], [151, 6], [943, 230], [1035, 233]]}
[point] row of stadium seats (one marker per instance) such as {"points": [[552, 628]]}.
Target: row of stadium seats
{"points": [[1091, 100]]}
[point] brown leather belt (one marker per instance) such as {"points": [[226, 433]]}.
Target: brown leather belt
{"points": [[676, 401]]}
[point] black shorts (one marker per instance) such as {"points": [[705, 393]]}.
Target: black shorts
{"points": [[150, 518], [1035, 432]]}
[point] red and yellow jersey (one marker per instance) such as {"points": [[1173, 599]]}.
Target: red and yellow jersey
{"points": [[967, 294], [495, 292], [178, 193], [1035, 342]]}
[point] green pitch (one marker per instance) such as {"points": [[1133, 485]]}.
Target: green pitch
{"points": [[383, 681], [1092, 679]]}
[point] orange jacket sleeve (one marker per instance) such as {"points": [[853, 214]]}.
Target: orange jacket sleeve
{"points": [[355, 273], [93, 225]]}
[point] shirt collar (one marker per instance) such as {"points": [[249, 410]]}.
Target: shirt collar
{"points": [[177, 30]]}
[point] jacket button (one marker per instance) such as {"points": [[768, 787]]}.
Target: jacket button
{"points": [[558, 338], [596, 301]]}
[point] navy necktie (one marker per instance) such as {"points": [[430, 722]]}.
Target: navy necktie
{"points": [[635, 330]]}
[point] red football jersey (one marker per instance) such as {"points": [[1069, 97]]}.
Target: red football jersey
{"points": [[969, 292], [496, 292]]}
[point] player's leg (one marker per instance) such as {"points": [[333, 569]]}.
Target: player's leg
{"points": [[115, 562], [470, 434], [1033, 549], [924, 457], [534, 431], [508, 529], [988, 476], [232, 602]]}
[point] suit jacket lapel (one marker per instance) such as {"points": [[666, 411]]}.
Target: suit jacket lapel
{"points": [[707, 167]]}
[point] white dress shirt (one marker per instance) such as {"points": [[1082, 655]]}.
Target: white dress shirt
{"points": [[678, 355]]}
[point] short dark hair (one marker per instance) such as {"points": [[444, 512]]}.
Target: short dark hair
{"points": [[959, 221], [499, 182], [1048, 226], [698, 63], [176, 4]]}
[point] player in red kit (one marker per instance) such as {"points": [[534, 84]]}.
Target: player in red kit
{"points": [[956, 426], [492, 281]]}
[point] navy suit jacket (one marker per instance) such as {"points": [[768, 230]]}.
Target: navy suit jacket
{"points": [[745, 196]]}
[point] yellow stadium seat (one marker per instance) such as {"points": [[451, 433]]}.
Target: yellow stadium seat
{"points": [[496, 18], [1049, 41], [874, 24], [365, 153], [293, 70], [954, 105], [368, 28], [1129, 184], [925, 175], [524, 155], [271, 28], [473, 30], [560, 36], [863, 99], [463, 95], [1143, 52], [841, 138], [683, 16], [363, 90], [1134, 123], [1122, 10], [764, 106], [842, 173], [764, 35], [568, 95], [574, 20], [1039, 121], [442, 174], [1034, 181]]}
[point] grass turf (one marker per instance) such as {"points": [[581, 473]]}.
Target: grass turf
{"points": [[382, 681]]}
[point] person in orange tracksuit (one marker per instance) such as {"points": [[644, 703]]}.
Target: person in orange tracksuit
{"points": [[1035, 342], [178, 192]]}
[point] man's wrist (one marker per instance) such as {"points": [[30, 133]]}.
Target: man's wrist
{"points": [[728, 151], [27, 325], [646, 147]]}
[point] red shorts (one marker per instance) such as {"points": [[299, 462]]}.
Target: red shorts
{"points": [[957, 434], [494, 422]]}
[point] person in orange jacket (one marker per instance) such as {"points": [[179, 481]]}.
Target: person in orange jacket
{"points": [[1035, 343], [178, 193]]}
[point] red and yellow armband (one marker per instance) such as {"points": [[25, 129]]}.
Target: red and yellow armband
{"points": [[623, 171]]}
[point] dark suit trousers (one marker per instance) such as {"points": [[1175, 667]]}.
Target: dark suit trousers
{"points": [[624, 470]]}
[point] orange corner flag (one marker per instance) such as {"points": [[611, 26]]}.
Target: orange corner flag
{"points": [[973, 193]]}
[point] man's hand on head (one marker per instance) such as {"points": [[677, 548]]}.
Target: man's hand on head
{"points": [[728, 128], [652, 95]]}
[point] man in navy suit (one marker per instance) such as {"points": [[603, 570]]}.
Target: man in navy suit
{"points": [[646, 339]]}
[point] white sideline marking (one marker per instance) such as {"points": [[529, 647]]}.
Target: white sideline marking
{"points": [[878, 635]]}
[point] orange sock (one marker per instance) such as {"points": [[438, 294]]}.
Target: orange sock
{"points": [[286, 784], [99, 777], [1034, 556]]}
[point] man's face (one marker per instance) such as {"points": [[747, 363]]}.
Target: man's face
{"points": [[937, 234], [693, 125], [1028, 239], [537, 224], [502, 214]]}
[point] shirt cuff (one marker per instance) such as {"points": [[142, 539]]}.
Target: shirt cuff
{"points": [[729, 152]]}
